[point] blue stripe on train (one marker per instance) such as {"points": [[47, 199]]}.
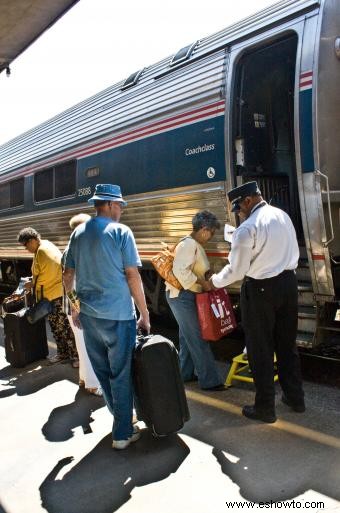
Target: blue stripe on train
{"points": [[306, 131]]}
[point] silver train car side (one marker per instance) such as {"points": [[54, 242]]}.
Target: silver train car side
{"points": [[257, 101]]}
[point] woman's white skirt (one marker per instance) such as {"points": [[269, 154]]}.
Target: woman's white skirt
{"points": [[86, 372]]}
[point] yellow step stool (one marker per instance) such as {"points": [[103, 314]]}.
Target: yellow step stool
{"points": [[239, 367]]}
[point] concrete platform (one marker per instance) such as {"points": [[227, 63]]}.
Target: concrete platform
{"points": [[56, 454]]}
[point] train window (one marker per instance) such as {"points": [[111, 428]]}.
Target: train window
{"points": [[55, 182], [12, 194], [183, 54], [16, 192], [43, 185], [4, 196], [65, 179], [92, 171], [132, 79]]}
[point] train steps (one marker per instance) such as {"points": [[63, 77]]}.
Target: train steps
{"points": [[305, 340], [307, 310], [307, 319], [305, 293], [312, 330], [303, 271]]}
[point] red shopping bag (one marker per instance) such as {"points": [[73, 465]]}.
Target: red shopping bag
{"points": [[215, 314]]}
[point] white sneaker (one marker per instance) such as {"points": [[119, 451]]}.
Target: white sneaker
{"points": [[123, 444], [95, 391]]}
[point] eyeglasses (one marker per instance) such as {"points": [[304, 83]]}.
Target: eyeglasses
{"points": [[25, 243], [118, 204]]}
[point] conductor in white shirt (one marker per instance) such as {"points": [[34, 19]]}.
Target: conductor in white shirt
{"points": [[265, 254]]}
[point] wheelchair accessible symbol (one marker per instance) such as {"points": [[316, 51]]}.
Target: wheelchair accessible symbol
{"points": [[211, 172]]}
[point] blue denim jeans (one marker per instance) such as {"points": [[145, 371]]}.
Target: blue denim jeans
{"points": [[110, 346], [195, 354]]}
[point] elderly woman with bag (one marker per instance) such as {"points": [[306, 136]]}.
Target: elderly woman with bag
{"points": [[46, 272], [190, 267]]}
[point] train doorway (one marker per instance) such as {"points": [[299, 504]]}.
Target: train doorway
{"points": [[263, 125]]}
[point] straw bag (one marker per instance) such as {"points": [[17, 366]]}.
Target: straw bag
{"points": [[163, 263], [14, 303]]}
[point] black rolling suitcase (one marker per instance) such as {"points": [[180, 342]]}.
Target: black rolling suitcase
{"points": [[24, 342], [159, 391]]}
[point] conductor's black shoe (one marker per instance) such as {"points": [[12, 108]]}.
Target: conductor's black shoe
{"points": [[216, 388], [295, 406], [251, 413]]}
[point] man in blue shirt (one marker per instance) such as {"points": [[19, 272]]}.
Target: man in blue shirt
{"points": [[102, 253]]}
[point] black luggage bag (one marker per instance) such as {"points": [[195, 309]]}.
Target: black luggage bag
{"points": [[24, 342], [159, 391]]}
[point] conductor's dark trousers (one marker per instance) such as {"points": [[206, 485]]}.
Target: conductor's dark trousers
{"points": [[269, 311]]}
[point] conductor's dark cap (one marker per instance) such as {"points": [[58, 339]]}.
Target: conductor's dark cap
{"points": [[242, 191]]}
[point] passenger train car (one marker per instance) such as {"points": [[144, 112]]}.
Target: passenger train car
{"points": [[257, 101]]}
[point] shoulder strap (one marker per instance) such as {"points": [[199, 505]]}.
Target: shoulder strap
{"points": [[189, 237], [172, 248], [34, 293]]}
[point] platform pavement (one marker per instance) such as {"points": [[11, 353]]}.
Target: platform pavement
{"points": [[56, 455]]}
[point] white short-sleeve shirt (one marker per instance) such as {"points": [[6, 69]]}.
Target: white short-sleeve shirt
{"points": [[263, 246]]}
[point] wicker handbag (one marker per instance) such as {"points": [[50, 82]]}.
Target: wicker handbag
{"points": [[163, 263], [14, 303]]}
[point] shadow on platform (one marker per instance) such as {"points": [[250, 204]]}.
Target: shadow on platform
{"points": [[34, 377], [281, 477], [64, 419], [103, 480], [276, 462]]}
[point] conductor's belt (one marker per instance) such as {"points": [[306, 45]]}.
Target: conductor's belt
{"points": [[287, 273]]}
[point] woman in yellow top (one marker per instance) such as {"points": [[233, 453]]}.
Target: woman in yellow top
{"points": [[190, 267], [47, 276]]}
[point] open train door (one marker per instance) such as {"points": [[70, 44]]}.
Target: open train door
{"points": [[271, 141], [263, 123], [314, 183]]}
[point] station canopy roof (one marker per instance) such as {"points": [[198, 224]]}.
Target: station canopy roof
{"points": [[23, 21]]}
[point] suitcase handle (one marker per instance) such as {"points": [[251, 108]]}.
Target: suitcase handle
{"points": [[142, 337], [142, 333]]}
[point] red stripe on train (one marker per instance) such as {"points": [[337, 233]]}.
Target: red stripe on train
{"points": [[318, 257], [307, 83], [221, 254], [306, 74]]}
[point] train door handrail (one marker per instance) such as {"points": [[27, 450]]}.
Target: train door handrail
{"points": [[318, 172]]}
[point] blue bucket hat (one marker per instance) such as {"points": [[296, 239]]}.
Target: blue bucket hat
{"points": [[107, 192], [242, 191]]}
